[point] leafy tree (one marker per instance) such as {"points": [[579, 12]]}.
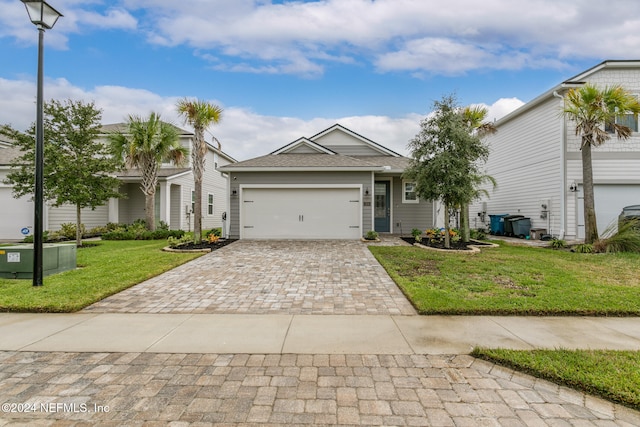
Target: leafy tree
{"points": [[78, 168], [444, 158], [200, 115], [594, 111], [146, 145]]}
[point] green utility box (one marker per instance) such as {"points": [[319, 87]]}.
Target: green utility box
{"points": [[16, 262]]}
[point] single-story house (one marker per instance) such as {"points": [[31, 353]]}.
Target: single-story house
{"points": [[336, 184], [536, 160], [174, 199]]}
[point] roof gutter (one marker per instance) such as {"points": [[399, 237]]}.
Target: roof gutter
{"points": [[304, 169]]}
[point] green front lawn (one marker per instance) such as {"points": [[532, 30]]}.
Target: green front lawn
{"points": [[515, 280], [520, 280], [104, 270], [613, 375]]}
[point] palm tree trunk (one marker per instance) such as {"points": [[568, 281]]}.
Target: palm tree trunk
{"points": [[447, 227], [149, 206], [590, 224], [464, 223], [198, 156], [78, 226]]}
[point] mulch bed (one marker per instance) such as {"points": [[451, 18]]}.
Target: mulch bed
{"points": [[205, 245], [458, 246]]}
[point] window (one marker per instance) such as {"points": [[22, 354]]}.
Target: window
{"points": [[628, 120], [210, 204], [409, 194]]}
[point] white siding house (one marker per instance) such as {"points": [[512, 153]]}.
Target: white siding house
{"points": [[535, 158], [173, 196]]}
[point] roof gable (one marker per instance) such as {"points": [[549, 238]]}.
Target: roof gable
{"points": [[344, 141], [303, 146]]}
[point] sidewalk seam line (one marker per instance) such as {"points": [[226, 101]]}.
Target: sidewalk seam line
{"points": [[402, 334], [146, 350], [57, 332], [286, 334]]}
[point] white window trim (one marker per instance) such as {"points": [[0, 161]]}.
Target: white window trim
{"points": [[404, 200], [212, 204]]}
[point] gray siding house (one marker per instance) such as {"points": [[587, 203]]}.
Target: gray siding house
{"points": [[173, 201], [334, 185], [535, 158]]}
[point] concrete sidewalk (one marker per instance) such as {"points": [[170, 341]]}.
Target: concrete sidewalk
{"points": [[308, 334]]}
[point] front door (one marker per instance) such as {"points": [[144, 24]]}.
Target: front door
{"points": [[382, 207]]}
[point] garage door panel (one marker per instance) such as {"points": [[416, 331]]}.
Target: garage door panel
{"points": [[15, 215], [301, 213], [609, 200]]}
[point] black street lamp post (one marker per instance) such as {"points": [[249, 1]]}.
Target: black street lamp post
{"points": [[44, 17]]}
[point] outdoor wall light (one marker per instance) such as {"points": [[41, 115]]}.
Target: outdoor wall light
{"points": [[366, 191], [44, 17], [573, 187]]}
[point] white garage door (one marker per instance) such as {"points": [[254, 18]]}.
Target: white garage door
{"points": [[609, 200], [300, 213], [15, 215]]}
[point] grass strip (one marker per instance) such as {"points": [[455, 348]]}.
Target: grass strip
{"points": [[612, 375]]}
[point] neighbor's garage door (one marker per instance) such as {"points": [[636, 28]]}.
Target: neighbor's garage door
{"points": [[300, 213], [15, 215], [609, 200]]}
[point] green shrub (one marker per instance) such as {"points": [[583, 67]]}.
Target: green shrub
{"points": [[215, 231], [371, 235], [119, 234], [417, 234], [174, 242], [558, 243], [68, 230], [625, 239], [583, 248], [478, 234]]}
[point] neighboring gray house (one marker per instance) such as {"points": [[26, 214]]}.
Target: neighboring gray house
{"points": [[334, 185], [535, 158], [174, 196]]}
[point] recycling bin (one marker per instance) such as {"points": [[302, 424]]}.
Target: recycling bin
{"points": [[497, 224]]}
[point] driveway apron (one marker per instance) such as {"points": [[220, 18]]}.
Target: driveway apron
{"points": [[262, 277]]}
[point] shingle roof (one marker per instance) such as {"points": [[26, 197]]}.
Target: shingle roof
{"points": [[284, 161], [162, 172], [123, 127], [301, 161], [7, 155]]}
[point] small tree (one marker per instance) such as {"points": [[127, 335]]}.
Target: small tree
{"points": [[146, 145], [78, 168], [444, 158], [594, 111]]}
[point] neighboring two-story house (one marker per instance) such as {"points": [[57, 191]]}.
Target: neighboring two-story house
{"points": [[535, 158], [174, 199]]}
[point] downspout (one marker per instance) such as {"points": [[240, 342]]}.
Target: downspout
{"points": [[563, 171]]}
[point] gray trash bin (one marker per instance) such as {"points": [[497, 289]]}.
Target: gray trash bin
{"points": [[508, 225], [521, 227]]}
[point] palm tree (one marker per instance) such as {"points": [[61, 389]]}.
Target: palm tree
{"points": [[146, 145], [594, 111], [200, 115], [474, 117]]}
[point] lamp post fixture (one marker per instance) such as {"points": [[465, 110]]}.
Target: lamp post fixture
{"points": [[44, 17]]}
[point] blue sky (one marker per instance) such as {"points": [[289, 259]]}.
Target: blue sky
{"points": [[282, 70]]}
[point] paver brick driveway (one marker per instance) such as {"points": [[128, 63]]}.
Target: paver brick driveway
{"points": [[258, 277]]}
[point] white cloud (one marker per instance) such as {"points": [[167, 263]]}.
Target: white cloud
{"points": [[242, 132], [303, 37], [397, 34]]}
